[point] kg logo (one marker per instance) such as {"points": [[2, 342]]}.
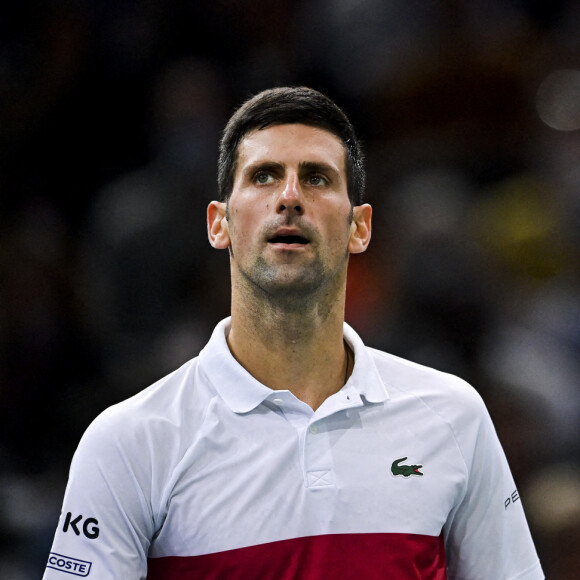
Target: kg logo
{"points": [[404, 470], [89, 526]]}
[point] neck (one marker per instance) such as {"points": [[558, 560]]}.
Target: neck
{"points": [[298, 349]]}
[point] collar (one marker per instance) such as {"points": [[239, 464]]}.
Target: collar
{"points": [[243, 393]]}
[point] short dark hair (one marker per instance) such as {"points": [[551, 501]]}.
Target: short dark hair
{"points": [[286, 105]]}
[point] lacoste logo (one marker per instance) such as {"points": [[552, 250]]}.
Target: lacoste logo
{"points": [[405, 470], [69, 565]]}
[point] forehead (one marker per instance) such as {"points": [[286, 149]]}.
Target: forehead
{"points": [[292, 144]]}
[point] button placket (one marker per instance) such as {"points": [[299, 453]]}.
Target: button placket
{"points": [[318, 463]]}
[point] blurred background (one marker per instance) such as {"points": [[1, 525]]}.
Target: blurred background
{"points": [[110, 114]]}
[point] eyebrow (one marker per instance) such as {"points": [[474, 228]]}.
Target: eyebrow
{"points": [[304, 167], [263, 166], [319, 167]]}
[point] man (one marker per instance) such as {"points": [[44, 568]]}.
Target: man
{"points": [[287, 449]]}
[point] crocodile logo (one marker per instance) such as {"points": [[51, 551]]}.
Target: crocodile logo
{"points": [[405, 470]]}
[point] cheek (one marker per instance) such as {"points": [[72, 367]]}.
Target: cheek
{"points": [[243, 224], [340, 235]]}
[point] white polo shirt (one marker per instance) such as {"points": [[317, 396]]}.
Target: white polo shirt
{"points": [[209, 474]]}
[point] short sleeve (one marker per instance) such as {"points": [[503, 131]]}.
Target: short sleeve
{"points": [[487, 535], [106, 523]]}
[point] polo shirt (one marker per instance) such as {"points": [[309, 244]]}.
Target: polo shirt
{"points": [[209, 474]]}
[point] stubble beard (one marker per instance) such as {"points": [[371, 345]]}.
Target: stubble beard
{"points": [[289, 288], [284, 286], [292, 288]]}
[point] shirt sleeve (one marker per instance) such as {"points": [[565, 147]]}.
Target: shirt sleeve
{"points": [[106, 523], [487, 536]]}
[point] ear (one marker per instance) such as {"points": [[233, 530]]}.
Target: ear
{"points": [[217, 225], [360, 235]]}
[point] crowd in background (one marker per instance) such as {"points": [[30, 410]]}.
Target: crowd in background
{"points": [[110, 115]]}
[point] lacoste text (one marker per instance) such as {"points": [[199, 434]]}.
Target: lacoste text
{"points": [[69, 565]]}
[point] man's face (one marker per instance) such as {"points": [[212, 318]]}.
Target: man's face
{"points": [[289, 218]]}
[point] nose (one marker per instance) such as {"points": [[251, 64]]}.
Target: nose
{"points": [[290, 198]]}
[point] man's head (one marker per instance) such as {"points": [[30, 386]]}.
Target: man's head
{"points": [[289, 105]]}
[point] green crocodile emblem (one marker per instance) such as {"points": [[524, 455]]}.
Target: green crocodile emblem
{"points": [[405, 470]]}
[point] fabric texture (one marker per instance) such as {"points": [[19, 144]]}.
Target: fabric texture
{"points": [[209, 474]]}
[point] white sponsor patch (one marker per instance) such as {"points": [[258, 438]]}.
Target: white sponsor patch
{"points": [[69, 565]]}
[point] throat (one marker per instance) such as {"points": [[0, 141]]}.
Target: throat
{"points": [[312, 367]]}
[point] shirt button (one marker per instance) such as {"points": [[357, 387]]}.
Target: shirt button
{"points": [[313, 429], [278, 402]]}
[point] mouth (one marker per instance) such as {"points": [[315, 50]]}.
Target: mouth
{"points": [[288, 240]]}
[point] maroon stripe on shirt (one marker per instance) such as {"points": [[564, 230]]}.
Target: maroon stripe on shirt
{"points": [[336, 557]]}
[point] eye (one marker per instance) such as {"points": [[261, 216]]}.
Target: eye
{"points": [[317, 180], [263, 178]]}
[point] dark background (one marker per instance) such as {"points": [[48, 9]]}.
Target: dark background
{"points": [[110, 113]]}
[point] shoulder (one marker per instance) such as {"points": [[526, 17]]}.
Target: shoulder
{"points": [[157, 416], [436, 402], [446, 394]]}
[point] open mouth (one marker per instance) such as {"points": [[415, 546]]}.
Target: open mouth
{"points": [[288, 240]]}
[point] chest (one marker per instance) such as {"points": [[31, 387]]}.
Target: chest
{"points": [[277, 474]]}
